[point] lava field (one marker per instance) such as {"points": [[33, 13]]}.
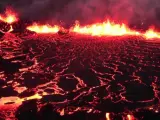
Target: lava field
{"points": [[76, 77]]}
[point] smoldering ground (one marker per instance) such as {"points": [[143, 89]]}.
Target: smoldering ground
{"points": [[87, 11]]}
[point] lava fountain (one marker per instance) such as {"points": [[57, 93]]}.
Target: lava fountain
{"points": [[99, 29], [104, 29], [112, 29], [9, 17], [151, 33], [43, 28]]}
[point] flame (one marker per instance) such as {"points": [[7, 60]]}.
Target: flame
{"points": [[43, 28], [99, 29], [111, 29], [9, 17], [151, 34], [102, 29]]}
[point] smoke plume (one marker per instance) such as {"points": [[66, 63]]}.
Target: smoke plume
{"points": [[87, 11]]}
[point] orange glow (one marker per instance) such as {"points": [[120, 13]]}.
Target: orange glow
{"points": [[9, 17], [20, 89], [99, 29], [5, 100], [36, 96], [130, 117], [111, 29], [102, 29], [107, 116], [151, 34], [43, 28], [17, 100], [11, 29]]}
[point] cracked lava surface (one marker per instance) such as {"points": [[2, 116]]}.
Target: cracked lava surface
{"points": [[75, 77]]}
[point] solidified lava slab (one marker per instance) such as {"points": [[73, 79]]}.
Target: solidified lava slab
{"points": [[71, 77]]}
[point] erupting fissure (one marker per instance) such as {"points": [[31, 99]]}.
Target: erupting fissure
{"points": [[71, 76], [99, 29], [111, 29], [107, 28], [9, 17], [43, 28], [152, 34]]}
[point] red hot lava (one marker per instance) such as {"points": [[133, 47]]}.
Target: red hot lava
{"points": [[43, 28], [99, 29], [9, 16], [112, 29], [104, 29], [107, 28]]}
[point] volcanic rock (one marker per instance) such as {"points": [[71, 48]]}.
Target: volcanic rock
{"points": [[63, 32], [27, 111], [1, 34], [8, 66], [4, 26]]}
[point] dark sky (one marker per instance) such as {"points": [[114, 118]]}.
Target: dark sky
{"points": [[87, 11]]}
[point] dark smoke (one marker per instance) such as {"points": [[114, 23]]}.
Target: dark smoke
{"points": [[87, 11]]}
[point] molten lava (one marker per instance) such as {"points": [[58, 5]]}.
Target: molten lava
{"points": [[102, 29], [43, 28], [9, 17], [11, 28], [130, 117], [151, 34], [111, 29], [107, 116]]}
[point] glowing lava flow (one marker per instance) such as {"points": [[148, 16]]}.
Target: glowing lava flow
{"points": [[43, 28], [103, 29], [9, 17], [11, 28], [18, 100]]}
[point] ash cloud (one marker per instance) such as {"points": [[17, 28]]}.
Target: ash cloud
{"points": [[87, 11]]}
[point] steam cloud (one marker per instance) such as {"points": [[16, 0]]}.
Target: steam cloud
{"points": [[87, 11]]}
